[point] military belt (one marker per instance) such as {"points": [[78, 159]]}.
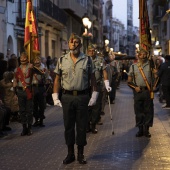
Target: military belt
{"points": [[38, 85], [143, 88], [75, 92], [23, 89]]}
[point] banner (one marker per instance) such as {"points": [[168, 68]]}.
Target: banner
{"points": [[31, 43], [145, 35]]}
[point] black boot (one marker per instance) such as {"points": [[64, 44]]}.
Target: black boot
{"points": [[93, 129], [147, 133], [41, 123], [24, 131], [80, 156], [36, 123], [88, 128], [140, 132], [70, 157], [29, 132]]}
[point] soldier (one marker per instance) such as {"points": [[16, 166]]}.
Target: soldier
{"points": [[38, 83], [100, 75], [74, 71], [22, 83], [139, 79]]}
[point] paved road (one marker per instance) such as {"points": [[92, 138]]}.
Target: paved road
{"points": [[46, 149]]}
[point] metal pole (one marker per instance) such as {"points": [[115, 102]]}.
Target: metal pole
{"points": [[110, 113]]}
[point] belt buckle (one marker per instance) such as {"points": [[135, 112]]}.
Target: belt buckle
{"points": [[74, 93]]}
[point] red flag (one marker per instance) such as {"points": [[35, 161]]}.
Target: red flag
{"points": [[31, 43], [145, 35]]}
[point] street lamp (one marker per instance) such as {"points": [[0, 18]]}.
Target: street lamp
{"points": [[106, 41], [87, 24]]}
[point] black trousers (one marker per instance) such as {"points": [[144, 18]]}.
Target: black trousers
{"points": [[39, 102], [75, 114], [94, 112], [25, 107], [143, 106], [166, 93]]}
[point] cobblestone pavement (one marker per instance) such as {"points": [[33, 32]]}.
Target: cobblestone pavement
{"points": [[46, 149]]}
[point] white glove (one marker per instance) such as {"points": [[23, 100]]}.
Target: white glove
{"points": [[108, 88], [56, 100], [93, 99]]}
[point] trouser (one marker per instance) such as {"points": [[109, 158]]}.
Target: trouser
{"points": [[112, 94], [143, 106], [94, 112], [104, 95], [166, 93], [75, 113], [38, 102], [2, 117], [25, 107]]}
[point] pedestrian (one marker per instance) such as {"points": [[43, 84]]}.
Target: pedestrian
{"points": [[8, 95], [102, 80], [74, 71], [143, 102], [3, 65], [22, 83], [38, 83], [164, 76]]}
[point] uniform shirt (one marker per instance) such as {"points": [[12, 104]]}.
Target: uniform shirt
{"points": [[27, 75], [74, 76], [164, 73], [139, 81], [99, 67], [40, 78]]}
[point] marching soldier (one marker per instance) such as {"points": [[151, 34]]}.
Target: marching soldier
{"points": [[22, 83], [100, 74], [38, 83], [139, 79], [74, 72]]}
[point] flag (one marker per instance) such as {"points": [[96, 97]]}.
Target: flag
{"points": [[31, 43], [145, 35]]}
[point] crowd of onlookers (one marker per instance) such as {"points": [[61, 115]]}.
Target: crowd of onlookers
{"points": [[9, 106]]}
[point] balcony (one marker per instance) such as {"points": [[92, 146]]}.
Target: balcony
{"points": [[106, 29], [51, 14], [72, 7]]}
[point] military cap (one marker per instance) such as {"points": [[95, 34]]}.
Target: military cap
{"points": [[36, 58], [141, 49], [74, 36], [91, 46]]}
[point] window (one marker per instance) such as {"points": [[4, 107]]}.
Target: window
{"points": [[11, 1]]}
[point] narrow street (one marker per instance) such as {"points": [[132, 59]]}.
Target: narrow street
{"points": [[46, 148]]}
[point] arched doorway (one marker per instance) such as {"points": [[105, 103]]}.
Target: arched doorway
{"points": [[9, 46]]}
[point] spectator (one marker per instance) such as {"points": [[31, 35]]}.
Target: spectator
{"points": [[164, 75], [9, 97], [3, 65]]}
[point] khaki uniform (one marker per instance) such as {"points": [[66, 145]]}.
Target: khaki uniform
{"points": [[25, 105], [38, 84], [95, 111], [143, 104], [75, 97]]}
